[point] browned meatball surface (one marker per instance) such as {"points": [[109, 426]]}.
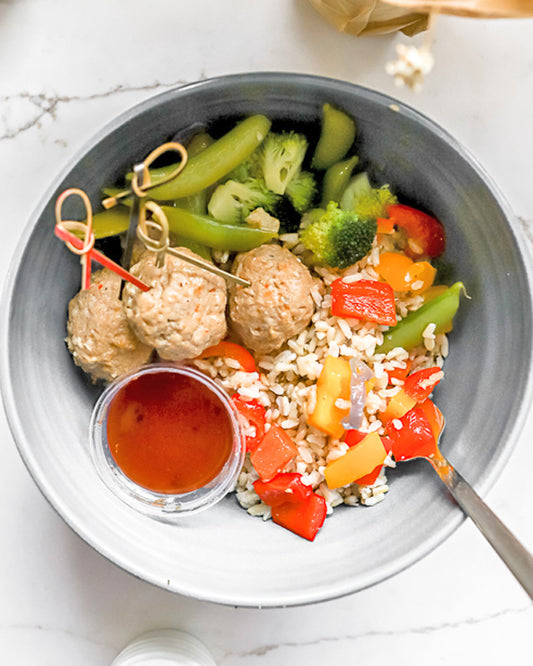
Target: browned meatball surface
{"points": [[184, 311], [99, 336], [277, 305]]}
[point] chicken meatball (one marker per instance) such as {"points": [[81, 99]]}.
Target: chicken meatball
{"points": [[184, 311], [277, 305], [99, 336]]}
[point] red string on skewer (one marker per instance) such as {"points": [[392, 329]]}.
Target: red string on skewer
{"points": [[85, 248]]}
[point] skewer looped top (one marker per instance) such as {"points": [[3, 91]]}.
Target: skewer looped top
{"points": [[64, 229], [142, 190], [86, 228]]}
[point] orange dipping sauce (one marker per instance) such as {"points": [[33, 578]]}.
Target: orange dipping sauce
{"points": [[168, 432]]}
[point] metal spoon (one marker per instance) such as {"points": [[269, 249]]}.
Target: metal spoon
{"points": [[512, 552]]}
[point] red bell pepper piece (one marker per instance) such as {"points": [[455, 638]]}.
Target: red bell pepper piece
{"points": [[411, 436], [399, 373], [303, 518], [421, 383], [353, 437], [434, 416], [369, 300], [426, 231], [284, 487], [234, 351], [273, 453], [254, 415]]}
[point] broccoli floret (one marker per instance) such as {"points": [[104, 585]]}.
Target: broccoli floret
{"points": [[339, 238], [301, 191], [365, 200], [280, 157], [233, 201]]}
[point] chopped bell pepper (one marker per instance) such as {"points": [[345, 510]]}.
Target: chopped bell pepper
{"points": [[411, 436], [421, 383], [333, 383], [422, 276], [399, 373], [304, 518], [284, 487], [425, 233], [352, 438], [273, 453], [404, 274], [398, 405], [434, 416], [369, 300], [370, 479], [254, 415], [234, 351], [357, 462]]}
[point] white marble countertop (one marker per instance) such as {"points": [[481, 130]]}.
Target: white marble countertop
{"points": [[66, 68]]}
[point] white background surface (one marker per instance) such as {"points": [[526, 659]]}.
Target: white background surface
{"points": [[66, 68]]}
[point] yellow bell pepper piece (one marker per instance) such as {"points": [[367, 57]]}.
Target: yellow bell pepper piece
{"points": [[398, 406], [357, 462], [333, 383]]}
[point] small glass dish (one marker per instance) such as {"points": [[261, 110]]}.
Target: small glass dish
{"points": [[164, 506]]}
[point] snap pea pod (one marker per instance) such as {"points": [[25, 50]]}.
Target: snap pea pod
{"points": [[213, 234], [336, 178], [408, 333], [336, 137], [197, 202], [214, 162], [116, 221]]}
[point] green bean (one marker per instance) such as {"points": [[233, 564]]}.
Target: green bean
{"points": [[111, 222], [213, 234], [408, 333], [214, 162], [197, 202], [336, 137], [336, 178], [116, 220]]}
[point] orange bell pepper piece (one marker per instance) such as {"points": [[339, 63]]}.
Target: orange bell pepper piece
{"points": [[333, 383], [231, 350], [403, 274]]}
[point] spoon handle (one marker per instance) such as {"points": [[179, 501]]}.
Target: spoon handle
{"points": [[516, 557]]}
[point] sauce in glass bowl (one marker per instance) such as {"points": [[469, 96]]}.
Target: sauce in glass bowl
{"points": [[168, 432], [166, 440]]}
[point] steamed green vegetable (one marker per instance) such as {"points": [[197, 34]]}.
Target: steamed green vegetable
{"points": [[336, 137], [408, 333], [213, 234], [116, 221], [213, 163], [279, 159], [233, 201], [365, 200], [336, 179], [339, 238]]}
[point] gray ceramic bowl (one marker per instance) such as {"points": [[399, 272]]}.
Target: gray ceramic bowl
{"points": [[223, 555]]}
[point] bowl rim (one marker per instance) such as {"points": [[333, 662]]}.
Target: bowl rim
{"points": [[256, 78]]}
